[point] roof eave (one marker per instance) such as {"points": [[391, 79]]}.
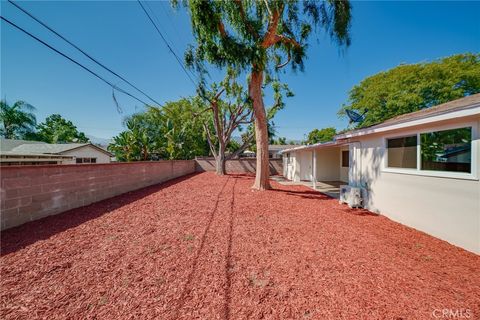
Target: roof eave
{"points": [[447, 115]]}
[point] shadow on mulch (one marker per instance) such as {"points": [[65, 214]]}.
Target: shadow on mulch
{"points": [[305, 194], [19, 237], [245, 176], [187, 288], [359, 212]]}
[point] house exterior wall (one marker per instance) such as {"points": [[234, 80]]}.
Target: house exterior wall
{"points": [[87, 152], [32, 192], [343, 170], [328, 164], [445, 207], [296, 166], [305, 162]]}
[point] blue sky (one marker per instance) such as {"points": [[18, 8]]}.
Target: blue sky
{"points": [[384, 34]]}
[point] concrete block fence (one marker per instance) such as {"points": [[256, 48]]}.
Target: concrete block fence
{"points": [[244, 165], [32, 192]]}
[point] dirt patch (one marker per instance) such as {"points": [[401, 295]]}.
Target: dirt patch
{"points": [[209, 247]]}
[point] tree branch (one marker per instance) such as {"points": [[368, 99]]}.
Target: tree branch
{"points": [[270, 36], [268, 7], [196, 114], [248, 141], [287, 40], [281, 65], [245, 19], [209, 139], [221, 29]]}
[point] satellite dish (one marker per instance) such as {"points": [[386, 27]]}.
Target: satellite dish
{"points": [[355, 116]]}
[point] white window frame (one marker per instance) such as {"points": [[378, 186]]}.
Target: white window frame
{"points": [[473, 175]]}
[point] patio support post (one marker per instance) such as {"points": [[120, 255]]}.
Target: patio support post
{"points": [[314, 169]]}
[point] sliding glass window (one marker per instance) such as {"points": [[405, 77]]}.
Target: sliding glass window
{"points": [[402, 152], [447, 150]]}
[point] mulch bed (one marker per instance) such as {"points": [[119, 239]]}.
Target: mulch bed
{"points": [[208, 247]]}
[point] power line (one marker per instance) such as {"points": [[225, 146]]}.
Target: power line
{"points": [[74, 61], [167, 44], [82, 51]]}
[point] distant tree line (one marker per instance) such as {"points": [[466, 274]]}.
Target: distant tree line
{"points": [[18, 121]]}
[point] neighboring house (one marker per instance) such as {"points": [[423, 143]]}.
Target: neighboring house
{"points": [[420, 169], [274, 151], [22, 152]]}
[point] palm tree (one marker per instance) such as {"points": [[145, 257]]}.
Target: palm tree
{"points": [[17, 120]]}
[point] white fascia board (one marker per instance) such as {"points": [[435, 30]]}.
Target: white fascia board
{"points": [[448, 115], [313, 146]]}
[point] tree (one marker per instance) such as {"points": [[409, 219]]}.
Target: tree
{"points": [[322, 135], [17, 120], [171, 132], [56, 129], [233, 112], [280, 141], [256, 36], [412, 87], [227, 115]]}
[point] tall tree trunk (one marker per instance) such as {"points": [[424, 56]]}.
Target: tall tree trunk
{"points": [[261, 132], [220, 160]]}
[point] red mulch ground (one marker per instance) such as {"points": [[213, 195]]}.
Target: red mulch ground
{"points": [[207, 247]]}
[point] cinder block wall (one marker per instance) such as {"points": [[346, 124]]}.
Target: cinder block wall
{"points": [[32, 192], [239, 165]]}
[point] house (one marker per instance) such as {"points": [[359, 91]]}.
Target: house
{"points": [[22, 152], [274, 151], [420, 169]]}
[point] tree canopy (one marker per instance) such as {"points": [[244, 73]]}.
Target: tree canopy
{"points": [[56, 129], [322, 135], [18, 120], [266, 34], [172, 132], [411, 87]]}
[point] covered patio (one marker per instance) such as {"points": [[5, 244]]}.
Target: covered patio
{"points": [[330, 188], [322, 166]]}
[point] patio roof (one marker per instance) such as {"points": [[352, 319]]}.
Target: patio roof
{"points": [[315, 146]]}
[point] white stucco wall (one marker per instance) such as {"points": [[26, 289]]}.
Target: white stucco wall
{"points": [[88, 152], [294, 169], [305, 162], [447, 208], [328, 164]]}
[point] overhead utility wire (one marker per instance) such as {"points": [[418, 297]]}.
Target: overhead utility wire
{"points": [[72, 60], [82, 51], [167, 44]]}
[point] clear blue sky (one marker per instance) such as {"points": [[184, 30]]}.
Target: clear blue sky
{"points": [[384, 34]]}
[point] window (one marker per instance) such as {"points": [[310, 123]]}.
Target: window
{"points": [[86, 160], [402, 152], [447, 150], [345, 158]]}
